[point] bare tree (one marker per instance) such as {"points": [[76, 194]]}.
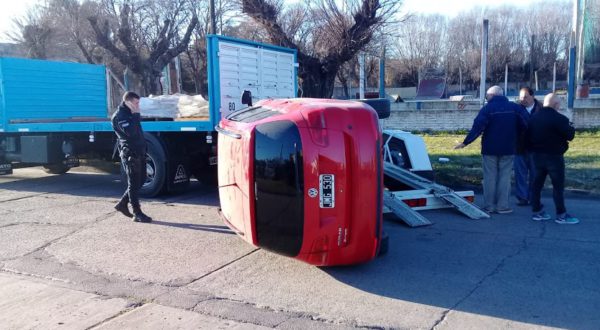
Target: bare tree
{"points": [[72, 30], [325, 34], [34, 33], [145, 35], [196, 56], [421, 44]]}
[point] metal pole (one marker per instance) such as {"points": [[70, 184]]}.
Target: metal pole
{"points": [[460, 80], [554, 78], [484, 48], [506, 79], [531, 65], [571, 92], [382, 74], [361, 75], [537, 87], [580, 41], [213, 23]]}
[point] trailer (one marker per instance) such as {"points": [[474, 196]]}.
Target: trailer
{"points": [[53, 114], [408, 179]]}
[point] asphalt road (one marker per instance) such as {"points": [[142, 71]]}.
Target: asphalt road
{"points": [[69, 261]]}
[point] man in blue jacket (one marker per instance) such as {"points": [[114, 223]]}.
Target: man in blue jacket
{"points": [[500, 122], [549, 134]]}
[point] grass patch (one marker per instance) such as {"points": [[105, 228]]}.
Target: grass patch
{"points": [[582, 161]]}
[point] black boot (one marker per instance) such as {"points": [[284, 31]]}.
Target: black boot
{"points": [[141, 217], [122, 207]]}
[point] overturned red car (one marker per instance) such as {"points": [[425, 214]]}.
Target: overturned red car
{"points": [[303, 178]]}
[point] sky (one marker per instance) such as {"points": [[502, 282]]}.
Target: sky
{"points": [[9, 10], [18, 8], [452, 7]]}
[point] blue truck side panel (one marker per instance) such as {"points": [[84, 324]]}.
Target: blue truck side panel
{"points": [[52, 96], [37, 91]]}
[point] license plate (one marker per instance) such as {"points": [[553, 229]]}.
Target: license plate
{"points": [[327, 191]]}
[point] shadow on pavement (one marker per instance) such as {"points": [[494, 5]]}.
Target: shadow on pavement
{"points": [[30, 183], [488, 268], [208, 228]]}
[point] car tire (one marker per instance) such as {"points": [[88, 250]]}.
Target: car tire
{"points": [[381, 106]]}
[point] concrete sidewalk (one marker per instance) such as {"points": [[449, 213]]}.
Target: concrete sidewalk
{"points": [[28, 303]]}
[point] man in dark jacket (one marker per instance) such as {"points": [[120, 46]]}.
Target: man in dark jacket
{"points": [[548, 135], [132, 149], [501, 122], [523, 165]]}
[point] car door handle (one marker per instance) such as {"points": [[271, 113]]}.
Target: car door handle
{"points": [[227, 133]]}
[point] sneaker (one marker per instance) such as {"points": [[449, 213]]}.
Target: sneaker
{"points": [[489, 210], [504, 211], [141, 217], [123, 209], [522, 202], [541, 216], [566, 219]]}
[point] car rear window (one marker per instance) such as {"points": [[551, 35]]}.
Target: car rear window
{"points": [[279, 180], [252, 114]]}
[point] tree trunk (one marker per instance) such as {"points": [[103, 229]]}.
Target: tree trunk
{"points": [[317, 81]]}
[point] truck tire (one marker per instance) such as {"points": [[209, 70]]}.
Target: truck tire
{"points": [[56, 168], [156, 168], [381, 106]]}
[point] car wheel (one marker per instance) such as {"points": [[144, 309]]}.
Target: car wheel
{"points": [[385, 242], [381, 106]]}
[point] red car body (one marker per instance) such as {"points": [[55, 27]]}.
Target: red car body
{"points": [[303, 178]]}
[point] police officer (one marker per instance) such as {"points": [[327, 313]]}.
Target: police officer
{"points": [[132, 149]]}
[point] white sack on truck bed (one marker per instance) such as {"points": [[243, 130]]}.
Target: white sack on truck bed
{"points": [[174, 106]]}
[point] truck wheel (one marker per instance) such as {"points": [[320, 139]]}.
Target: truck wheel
{"points": [[156, 169], [385, 242], [56, 168], [381, 106]]}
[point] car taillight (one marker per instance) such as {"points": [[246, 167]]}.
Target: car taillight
{"points": [[415, 202], [317, 126], [319, 250]]}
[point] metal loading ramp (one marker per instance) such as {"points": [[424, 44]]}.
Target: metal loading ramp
{"points": [[424, 194]]}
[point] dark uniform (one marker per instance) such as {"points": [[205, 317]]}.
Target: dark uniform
{"points": [[548, 136], [132, 149]]}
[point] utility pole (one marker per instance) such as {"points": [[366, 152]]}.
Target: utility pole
{"points": [[531, 64], [484, 48], [213, 20], [382, 74]]}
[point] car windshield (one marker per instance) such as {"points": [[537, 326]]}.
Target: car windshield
{"points": [[278, 173]]}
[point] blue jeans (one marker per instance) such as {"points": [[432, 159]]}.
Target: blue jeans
{"points": [[553, 166], [496, 181], [524, 174]]}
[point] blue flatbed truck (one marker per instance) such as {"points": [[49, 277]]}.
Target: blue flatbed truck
{"points": [[54, 113]]}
